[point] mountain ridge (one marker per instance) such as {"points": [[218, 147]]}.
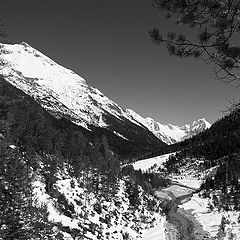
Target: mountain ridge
{"points": [[63, 93], [170, 133]]}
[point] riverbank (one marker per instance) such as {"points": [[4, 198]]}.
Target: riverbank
{"points": [[180, 224], [206, 221]]}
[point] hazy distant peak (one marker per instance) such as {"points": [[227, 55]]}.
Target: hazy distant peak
{"points": [[170, 133], [203, 120]]}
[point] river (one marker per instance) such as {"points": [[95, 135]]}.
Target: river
{"points": [[180, 224]]}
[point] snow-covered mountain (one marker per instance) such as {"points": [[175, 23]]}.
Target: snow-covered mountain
{"points": [[64, 93], [169, 133], [47, 81]]}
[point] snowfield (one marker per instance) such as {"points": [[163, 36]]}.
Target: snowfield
{"points": [[189, 182], [200, 208], [59, 89], [169, 133], [185, 183], [211, 220], [146, 164], [156, 233]]}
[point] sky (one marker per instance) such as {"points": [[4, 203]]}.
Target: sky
{"points": [[107, 43]]}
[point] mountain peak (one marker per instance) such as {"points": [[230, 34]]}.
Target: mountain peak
{"points": [[203, 120], [63, 93], [42, 78], [170, 133], [31, 63]]}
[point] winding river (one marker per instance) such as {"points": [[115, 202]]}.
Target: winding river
{"points": [[180, 224]]}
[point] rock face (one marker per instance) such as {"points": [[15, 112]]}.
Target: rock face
{"points": [[65, 94], [169, 133]]}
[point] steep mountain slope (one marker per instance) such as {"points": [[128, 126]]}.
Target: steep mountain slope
{"points": [[169, 133], [65, 94], [60, 181], [28, 115]]}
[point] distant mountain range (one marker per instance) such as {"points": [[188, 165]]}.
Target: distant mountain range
{"points": [[63, 93], [169, 133]]}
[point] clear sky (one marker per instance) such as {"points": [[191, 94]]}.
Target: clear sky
{"points": [[107, 43]]}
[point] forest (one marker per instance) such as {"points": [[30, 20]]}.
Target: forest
{"points": [[217, 147], [33, 143]]}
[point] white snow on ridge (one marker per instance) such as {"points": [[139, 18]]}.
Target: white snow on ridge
{"points": [[169, 133], [45, 80], [32, 63], [64, 93]]}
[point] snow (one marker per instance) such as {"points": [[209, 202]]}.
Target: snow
{"points": [[32, 63], [120, 135], [185, 179], [59, 89], [42, 198], [189, 182], [169, 133], [210, 220], [12, 146], [186, 183], [139, 223], [145, 164], [177, 191], [156, 233], [203, 121], [63, 92]]}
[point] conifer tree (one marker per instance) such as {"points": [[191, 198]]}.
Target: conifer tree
{"points": [[13, 194], [20, 218], [214, 27]]}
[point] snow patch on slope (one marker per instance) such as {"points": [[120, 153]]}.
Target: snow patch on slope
{"points": [[146, 164]]}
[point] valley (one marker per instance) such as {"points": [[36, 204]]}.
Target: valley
{"points": [[120, 120], [179, 225], [91, 170], [189, 214]]}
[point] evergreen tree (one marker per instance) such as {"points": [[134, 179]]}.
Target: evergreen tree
{"points": [[133, 193], [14, 191], [110, 169], [214, 25]]}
